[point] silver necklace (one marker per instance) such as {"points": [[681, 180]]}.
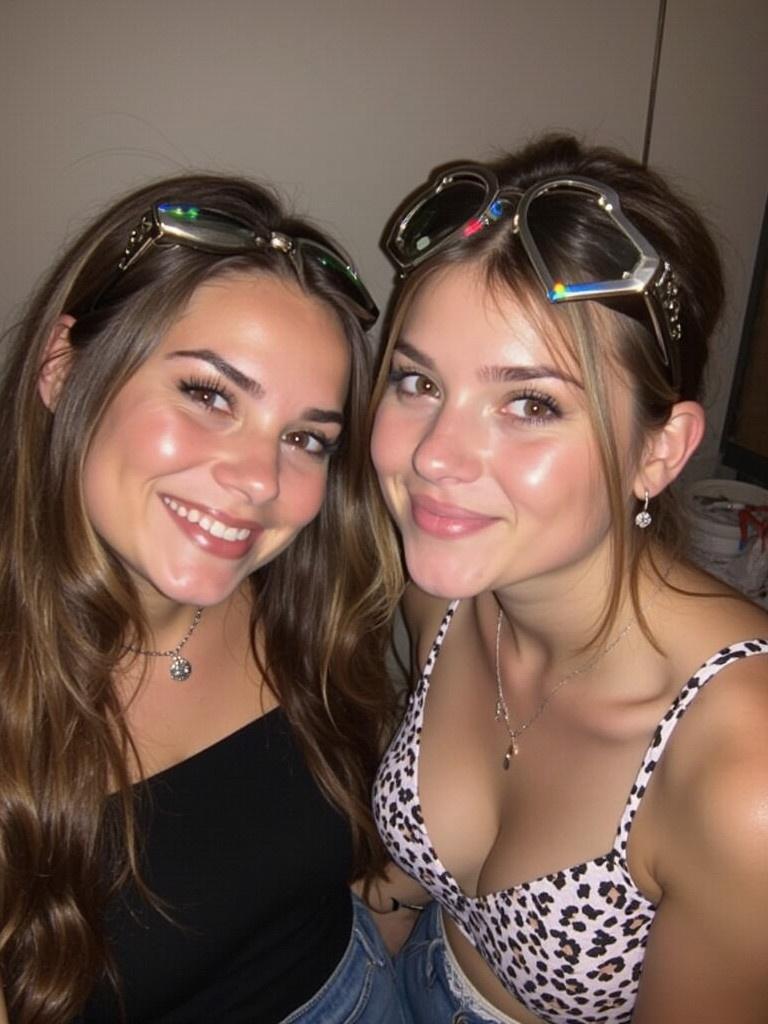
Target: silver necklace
{"points": [[180, 668], [502, 711]]}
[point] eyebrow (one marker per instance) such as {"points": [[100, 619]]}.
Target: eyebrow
{"points": [[248, 384], [493, 373], [323, 416], [414, 353], [226, 369], [520, 373]]}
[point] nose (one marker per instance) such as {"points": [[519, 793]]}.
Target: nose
{"points": [[250, 467], [449, 450]]}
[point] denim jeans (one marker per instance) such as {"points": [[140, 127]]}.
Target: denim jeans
{"points": [[432, 987], [362, 989]]}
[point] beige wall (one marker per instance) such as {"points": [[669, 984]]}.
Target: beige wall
{"points": [[347, 105]]}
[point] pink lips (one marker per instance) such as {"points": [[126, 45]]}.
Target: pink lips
{"points": [[446, 521], [213, 545]]}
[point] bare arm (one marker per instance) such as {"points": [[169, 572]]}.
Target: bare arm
{"points": [[707, 956]]}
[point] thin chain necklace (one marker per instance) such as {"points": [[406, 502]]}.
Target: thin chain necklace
{"points": [[180, 668], [502, 711]]}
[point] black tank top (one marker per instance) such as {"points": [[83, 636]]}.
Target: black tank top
{"points": [[252, 863]]}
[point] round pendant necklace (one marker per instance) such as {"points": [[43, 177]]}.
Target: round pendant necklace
{"points": [[180, 668]]}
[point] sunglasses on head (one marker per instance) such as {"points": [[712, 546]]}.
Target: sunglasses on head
{"points": [[172, 224], [467, 198]]}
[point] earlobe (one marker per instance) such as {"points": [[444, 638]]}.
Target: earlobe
{"points": [[56, 362], [668, 449]]}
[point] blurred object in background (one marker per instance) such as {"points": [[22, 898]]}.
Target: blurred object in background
{"points": [[729, 534]]}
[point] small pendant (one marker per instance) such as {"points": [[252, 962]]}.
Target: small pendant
{"points": [[511, 752], [180, 668]]}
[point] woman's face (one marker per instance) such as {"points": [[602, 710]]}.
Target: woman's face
{"points": [[214, 455], [483, 445]]}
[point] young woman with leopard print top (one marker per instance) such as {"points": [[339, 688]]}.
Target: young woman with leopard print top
{"points": [[586, 814]]}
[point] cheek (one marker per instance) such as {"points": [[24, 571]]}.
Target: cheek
{"points": [[390, 444], [377, 449], [538, 468], [146, 438], [551, 474], [304, 496]]}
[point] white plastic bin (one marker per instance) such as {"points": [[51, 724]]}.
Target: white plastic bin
{"points": [[715, 542]]}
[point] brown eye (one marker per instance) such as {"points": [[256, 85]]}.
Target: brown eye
{"points": [[205, 397], [312, 444], [412, 383], [211, 395], [533, 408]]}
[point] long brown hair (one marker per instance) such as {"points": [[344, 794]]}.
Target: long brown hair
{"points": [[596, 340], [67, 604]]}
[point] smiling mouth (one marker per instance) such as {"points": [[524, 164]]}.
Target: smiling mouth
{"points": [[207, 523], [450, 522]]}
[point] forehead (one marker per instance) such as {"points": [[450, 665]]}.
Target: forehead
{"points": [[268, 332], [265, 306], [232, 290], [458, 314]]}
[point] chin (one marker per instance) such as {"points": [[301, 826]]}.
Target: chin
{"points": [[201, 589], [446, 582]]}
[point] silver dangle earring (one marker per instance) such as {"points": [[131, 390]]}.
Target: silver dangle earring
{"points": [[643, 519]]}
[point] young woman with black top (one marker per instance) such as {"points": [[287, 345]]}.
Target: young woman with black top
{"points": [[193, 624]]}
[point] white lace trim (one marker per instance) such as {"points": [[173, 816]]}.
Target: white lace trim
{"points": [[462, 989]]}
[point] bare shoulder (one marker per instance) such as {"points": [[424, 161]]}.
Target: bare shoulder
{"points": [[715, 613], [423, 614], [709, 941], [711, 789], [695, 619], [717, 761], [726, 765], [713, 780]]}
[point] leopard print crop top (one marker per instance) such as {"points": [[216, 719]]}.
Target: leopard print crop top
{"points": [[569, 946]]}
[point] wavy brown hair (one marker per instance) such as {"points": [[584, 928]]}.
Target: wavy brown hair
{"points": [[598, 341], [67, 604]]}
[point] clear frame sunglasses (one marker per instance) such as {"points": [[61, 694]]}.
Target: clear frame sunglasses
{"points": [[465, 199]]}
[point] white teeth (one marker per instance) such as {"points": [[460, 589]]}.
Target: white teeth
{"points": [[212, 526]]}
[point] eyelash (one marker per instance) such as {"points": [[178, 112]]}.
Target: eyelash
{"points": [[210, 386], [216, 387], [529, 395], [327, 446], [400, 373]]}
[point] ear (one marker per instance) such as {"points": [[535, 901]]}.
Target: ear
{"points": [[668, 449], [56, 363]]}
